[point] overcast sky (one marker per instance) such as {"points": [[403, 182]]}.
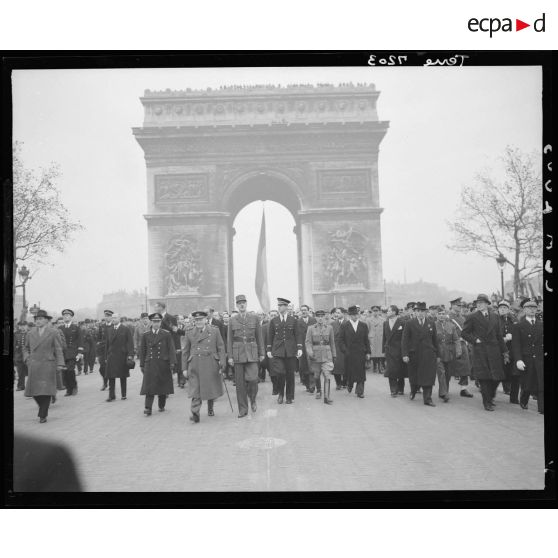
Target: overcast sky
{"points": [[446, 124]]}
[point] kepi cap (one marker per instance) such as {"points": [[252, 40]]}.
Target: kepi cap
{"points": [[240, 298]]}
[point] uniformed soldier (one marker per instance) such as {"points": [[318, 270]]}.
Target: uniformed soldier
{"points": [[157, 360], [73, 351], [203, 360], [304, 321], [142, 327], [19, 344], [89, 346], [284, 346], [528, 354], [320, 348], [245, 348], [102, 336], [449, 348], [460, 367]]}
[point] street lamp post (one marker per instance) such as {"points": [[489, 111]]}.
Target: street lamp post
{"points": [[24, 276], [501, 261]]}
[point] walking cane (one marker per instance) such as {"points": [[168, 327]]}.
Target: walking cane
{"points": [[227, 390]]}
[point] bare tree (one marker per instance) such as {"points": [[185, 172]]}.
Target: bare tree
{"points": [[41, 223], [504, 217]]}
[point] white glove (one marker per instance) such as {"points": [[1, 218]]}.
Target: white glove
{"points": [[508, 337], [269, 355], [520, 365], [298, 353]]}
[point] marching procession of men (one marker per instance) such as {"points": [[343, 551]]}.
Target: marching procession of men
{"points": [[473, 342]]}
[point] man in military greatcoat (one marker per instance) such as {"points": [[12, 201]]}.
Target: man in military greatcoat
{"points": [[482, 330], [396, 369], [19, 344], [284, 346], [528, 354], [304, 321], [245, 349], [73, 351], [203, 359], [119, 356], [512, 374], [157, 360], [355, 346], [102, 334], [419, 348], [320, 349]]}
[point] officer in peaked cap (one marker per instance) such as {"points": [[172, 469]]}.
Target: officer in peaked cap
{"points": [[284, 346], [73, 350], [245, 347], [320, 349], [142, 327], [157, 359], [203, 358]]}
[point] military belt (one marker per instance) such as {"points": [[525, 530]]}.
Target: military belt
{"points": [[320, 343], [244, 339]]}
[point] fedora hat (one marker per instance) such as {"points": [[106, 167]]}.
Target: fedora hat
{"points": [[483, 298], [43, 314]]}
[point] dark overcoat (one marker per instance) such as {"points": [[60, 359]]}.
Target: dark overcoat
{"points": [[506, 326], [73, 334], [303, 327], [42, 354], [339, 367], [203, 358], [167, 323], [355, 346], [460, 366], [102, 334], [284, 337], [488, 345], [391, 343], [157, 355], [420, 344], [119, 348], [527, 345]]}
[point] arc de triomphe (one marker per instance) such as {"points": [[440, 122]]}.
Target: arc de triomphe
{"points": [[313, 149]]}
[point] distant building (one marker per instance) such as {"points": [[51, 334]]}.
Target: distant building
{"points": [[124, 303]]}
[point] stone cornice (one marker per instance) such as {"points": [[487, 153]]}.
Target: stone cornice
{"points": [[187, 215], [261, 104]]}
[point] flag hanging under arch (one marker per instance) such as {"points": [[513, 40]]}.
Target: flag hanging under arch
{"points": [[262, 290]]}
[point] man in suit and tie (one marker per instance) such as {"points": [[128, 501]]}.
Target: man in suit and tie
{"points": [[419, 348], [306, 374], [170, 324], [396, 370], [482, 330], [119, 356], [245, 348], [73, 350], [528, 354], [355, 346], [338, 318], [284, 346]]}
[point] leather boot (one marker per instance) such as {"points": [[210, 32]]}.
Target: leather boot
{"points": [[327, 389]]}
